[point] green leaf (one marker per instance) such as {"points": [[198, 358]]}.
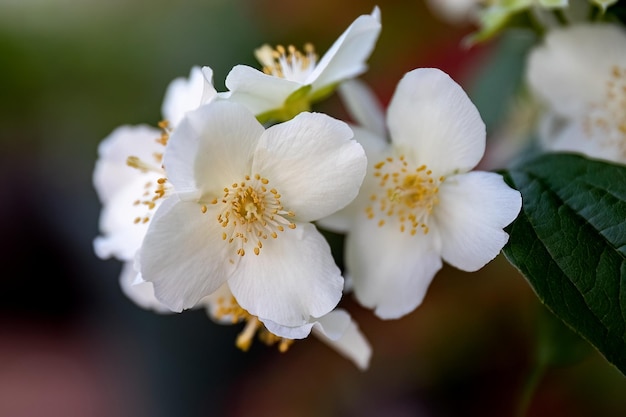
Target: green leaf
{"points": [[569, 242]]}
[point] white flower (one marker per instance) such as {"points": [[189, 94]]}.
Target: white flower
{"points": [[336, 328], [131, 182], [455, 11], [244, 199], [580, 73], [420, 203], [292, 80]]}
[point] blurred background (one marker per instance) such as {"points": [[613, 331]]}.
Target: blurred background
{"points": [[71, 344]]}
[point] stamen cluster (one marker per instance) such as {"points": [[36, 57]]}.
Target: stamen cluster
{"points": [[287, 62], [407, 195], [251, 213], [606, 121]]}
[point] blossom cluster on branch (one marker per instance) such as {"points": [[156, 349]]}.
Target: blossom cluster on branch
{"points": [[220, 206]]}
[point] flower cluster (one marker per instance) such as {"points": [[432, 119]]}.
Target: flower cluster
{"points": [[219, 207]]}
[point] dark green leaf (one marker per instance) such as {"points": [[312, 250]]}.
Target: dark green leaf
{"points": [[569, 242]]}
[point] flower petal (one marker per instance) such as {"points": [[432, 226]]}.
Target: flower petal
{"points": [[363, 106], [186, 94], [121, 236], [212, 148], [346, 57], [351, 343], [313, 163], [138, 290], [111, 171], [297, 332], [472, 211], [183, 254], [293, 279], [390, 270], [257, 91], [377, 149], [570, 70], [433, 122], [329, 327]]}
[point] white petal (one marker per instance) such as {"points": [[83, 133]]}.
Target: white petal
{"points": [[120, 236], [111, 171], [472, 211], [257, 91], [351, 343], [186, 94], [571, 68], [313, 163], [297, 332], [454, 11], [212, 148], [138, 290], [209, 93], [329, 327], [377, 149], [346, 57], [390, 270], [293, 279], [183, 254], [433, 122], [363, 106], [572, 137]]}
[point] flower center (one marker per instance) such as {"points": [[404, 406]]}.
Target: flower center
{"points": [[230, 308], [251, 213], [405, 195], [287, 62], [606, 122], [153, 190]]}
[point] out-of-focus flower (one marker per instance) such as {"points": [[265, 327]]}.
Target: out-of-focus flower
{"points": [[420, 203], [241, 211], [455, 11], [580, 74], [131, 181], [292, 80]]}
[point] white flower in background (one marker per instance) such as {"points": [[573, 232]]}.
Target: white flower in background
{"points": [[336, 328], [291, 80], [131, 182], [580, 73], [241, 211], [420, 203], [455, 11]]}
